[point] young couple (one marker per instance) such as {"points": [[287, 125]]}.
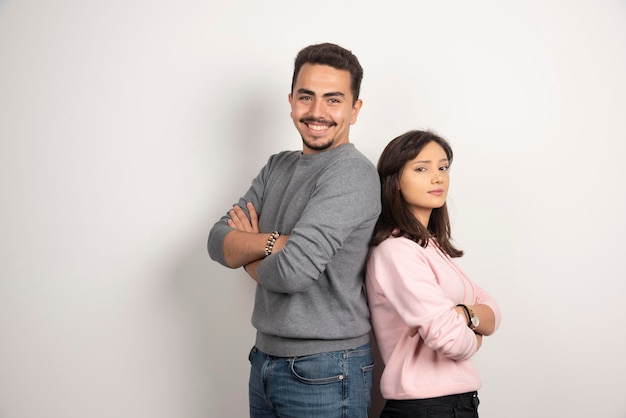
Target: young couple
{"points": [[330, 241]]}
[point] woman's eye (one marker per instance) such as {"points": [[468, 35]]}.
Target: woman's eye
{"points": [[444, 168]]}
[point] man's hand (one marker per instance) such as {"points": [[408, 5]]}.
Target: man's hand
{"points": [[244, 244], [241, 248], [240, 221], [250, 268]]}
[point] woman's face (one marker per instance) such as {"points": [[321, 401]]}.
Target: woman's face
{"points": [[424, 181]]}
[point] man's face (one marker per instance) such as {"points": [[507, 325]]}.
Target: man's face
{"points": [[322, 108]]}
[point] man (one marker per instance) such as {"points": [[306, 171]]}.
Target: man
{"points": [[302, 232]]}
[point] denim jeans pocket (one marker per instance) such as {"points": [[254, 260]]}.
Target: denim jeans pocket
{"points": [[317, 369], [252, 352], [368, 377]]}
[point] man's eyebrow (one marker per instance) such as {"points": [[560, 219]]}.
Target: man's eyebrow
{"points": [[333, 94], [305, 91], [329, 94]]}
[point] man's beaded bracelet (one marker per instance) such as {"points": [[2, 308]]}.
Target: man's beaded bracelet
{"points": [[270, 242]]}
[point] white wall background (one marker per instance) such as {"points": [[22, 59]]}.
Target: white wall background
{"points": [[128, 127]]}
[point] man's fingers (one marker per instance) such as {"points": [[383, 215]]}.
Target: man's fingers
{"points": [[254, 217], [239, 219]]}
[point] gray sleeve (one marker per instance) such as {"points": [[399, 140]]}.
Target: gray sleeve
{"points": [[347, 197], [220, 229]]}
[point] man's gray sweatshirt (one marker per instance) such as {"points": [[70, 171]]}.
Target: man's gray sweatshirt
{"points": [[311, 296]]}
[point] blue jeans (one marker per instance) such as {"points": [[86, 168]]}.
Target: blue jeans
{"points": [[336, 384]]}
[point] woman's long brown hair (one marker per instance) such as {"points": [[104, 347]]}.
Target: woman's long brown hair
{"points": [[397, 218]]}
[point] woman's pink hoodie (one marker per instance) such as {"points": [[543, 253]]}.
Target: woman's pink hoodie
{"points": [[414, 288]]}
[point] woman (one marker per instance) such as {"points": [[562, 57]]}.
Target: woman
{"points": [[428, 317]]}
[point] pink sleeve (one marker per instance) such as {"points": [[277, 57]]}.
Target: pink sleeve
{"points": [[408, 279], [482, 297]]}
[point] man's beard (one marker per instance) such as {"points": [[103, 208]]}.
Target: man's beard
{"points": [[318, 146]]}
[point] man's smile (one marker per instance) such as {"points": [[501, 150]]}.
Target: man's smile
{"points": [[317, 124]]}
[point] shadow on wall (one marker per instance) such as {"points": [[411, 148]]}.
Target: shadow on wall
{"points": [[257, 124], [216, 303]]}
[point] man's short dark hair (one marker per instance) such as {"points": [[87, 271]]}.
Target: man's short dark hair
{"points": [[333, 56]]}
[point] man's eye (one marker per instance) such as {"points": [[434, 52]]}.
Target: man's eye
{"points": [[444, 168]]}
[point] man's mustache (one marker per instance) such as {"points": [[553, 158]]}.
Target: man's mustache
{"points": [[319, 121]]}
